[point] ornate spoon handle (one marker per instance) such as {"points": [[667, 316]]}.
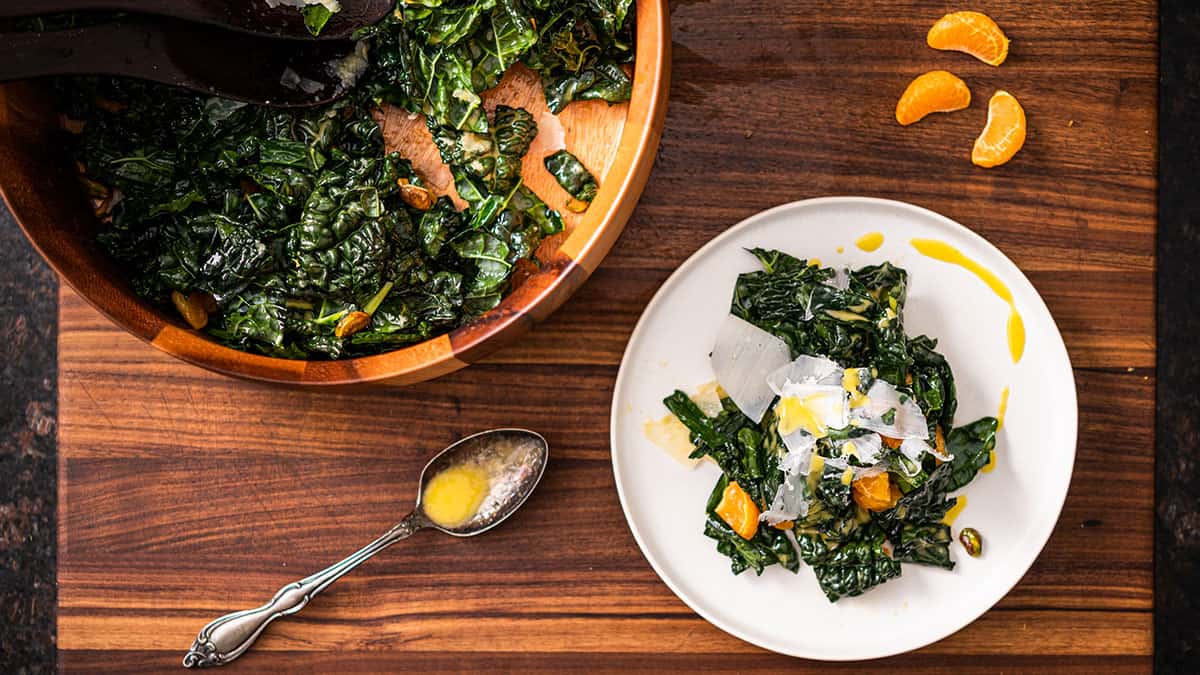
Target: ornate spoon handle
{"points": [[228, 637]]}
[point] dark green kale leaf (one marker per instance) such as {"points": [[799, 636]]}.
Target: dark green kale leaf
{"points": [[832, 514], [972, 446], [254, 323], [579, 51], [495, 158], [572, 175], [933, 383], [927, 544], [610, 15], [508, 220], [856, 565]]}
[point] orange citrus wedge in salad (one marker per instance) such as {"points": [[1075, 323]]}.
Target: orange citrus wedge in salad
{"points": [[738, 510], [1004, 134], [873, 493], [970, 32], [935, 91]]}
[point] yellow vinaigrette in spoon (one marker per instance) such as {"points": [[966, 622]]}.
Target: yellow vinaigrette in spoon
{"points": [[454, 495]]}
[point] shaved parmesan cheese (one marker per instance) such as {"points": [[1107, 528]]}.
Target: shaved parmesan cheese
{"points": [[742, 358], [884, 412], [793, 496], [791, 501], [915, 449], [868, 471], [351, 67], [805, 370], [840, 280], [866, 449], [708, 398]]}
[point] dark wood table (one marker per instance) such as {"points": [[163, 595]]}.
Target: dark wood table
{"points": [[184, 494]]}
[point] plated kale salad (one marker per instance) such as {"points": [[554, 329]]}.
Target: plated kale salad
{"points": [[297, 234], [835, 430]]}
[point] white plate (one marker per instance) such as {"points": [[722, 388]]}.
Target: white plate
{"points": [[1014, 507]]}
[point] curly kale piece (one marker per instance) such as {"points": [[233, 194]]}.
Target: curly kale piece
{"points": [[572, 175], [927, 544], [580, 50], [855, 566], [494, 158]]}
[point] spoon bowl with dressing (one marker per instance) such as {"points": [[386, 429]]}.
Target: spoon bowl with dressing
{"points": [[467, 489]]}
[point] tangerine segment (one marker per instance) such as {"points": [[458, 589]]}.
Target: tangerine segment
{"points": [[935, 91], [738, 510], [1004, 134], [970, 32], [873, 493]]}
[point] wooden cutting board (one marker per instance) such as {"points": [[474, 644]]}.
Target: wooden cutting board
{"points": [[184, 495]]}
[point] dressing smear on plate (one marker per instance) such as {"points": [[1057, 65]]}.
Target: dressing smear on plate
{"points": [[939, 250], [1000, 411], [454, 495], [870, 241]]}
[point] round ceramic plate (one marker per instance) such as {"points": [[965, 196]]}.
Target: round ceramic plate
{"points": [[1014, 506]]}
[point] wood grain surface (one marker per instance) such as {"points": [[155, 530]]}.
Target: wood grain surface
{"points": [[184, 494]]}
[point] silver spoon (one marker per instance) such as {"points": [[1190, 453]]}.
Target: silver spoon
{"points": [[513, 460]]}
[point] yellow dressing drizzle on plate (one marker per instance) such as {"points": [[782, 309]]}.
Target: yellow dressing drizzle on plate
{"points": [[1003, 408], [454, 495], [870, 241], [939, 250], [951, 515]]}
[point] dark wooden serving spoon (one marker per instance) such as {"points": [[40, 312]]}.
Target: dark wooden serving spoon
{"points": [[239, 64]]}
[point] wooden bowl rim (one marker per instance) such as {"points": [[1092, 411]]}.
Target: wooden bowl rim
{"points": [[543, 292]]}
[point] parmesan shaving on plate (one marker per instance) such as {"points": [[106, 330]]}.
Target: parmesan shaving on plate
{"points": [[742, 358]]}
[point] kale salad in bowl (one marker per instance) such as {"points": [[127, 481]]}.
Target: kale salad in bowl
{"points": [[479, 168]]}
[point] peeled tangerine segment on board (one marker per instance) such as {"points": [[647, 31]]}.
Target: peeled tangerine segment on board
{"points": [[970, 32], [1004, 134], [935, 91]]}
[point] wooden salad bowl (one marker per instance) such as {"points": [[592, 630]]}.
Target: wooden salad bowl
{"points": [[617, 143]]}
